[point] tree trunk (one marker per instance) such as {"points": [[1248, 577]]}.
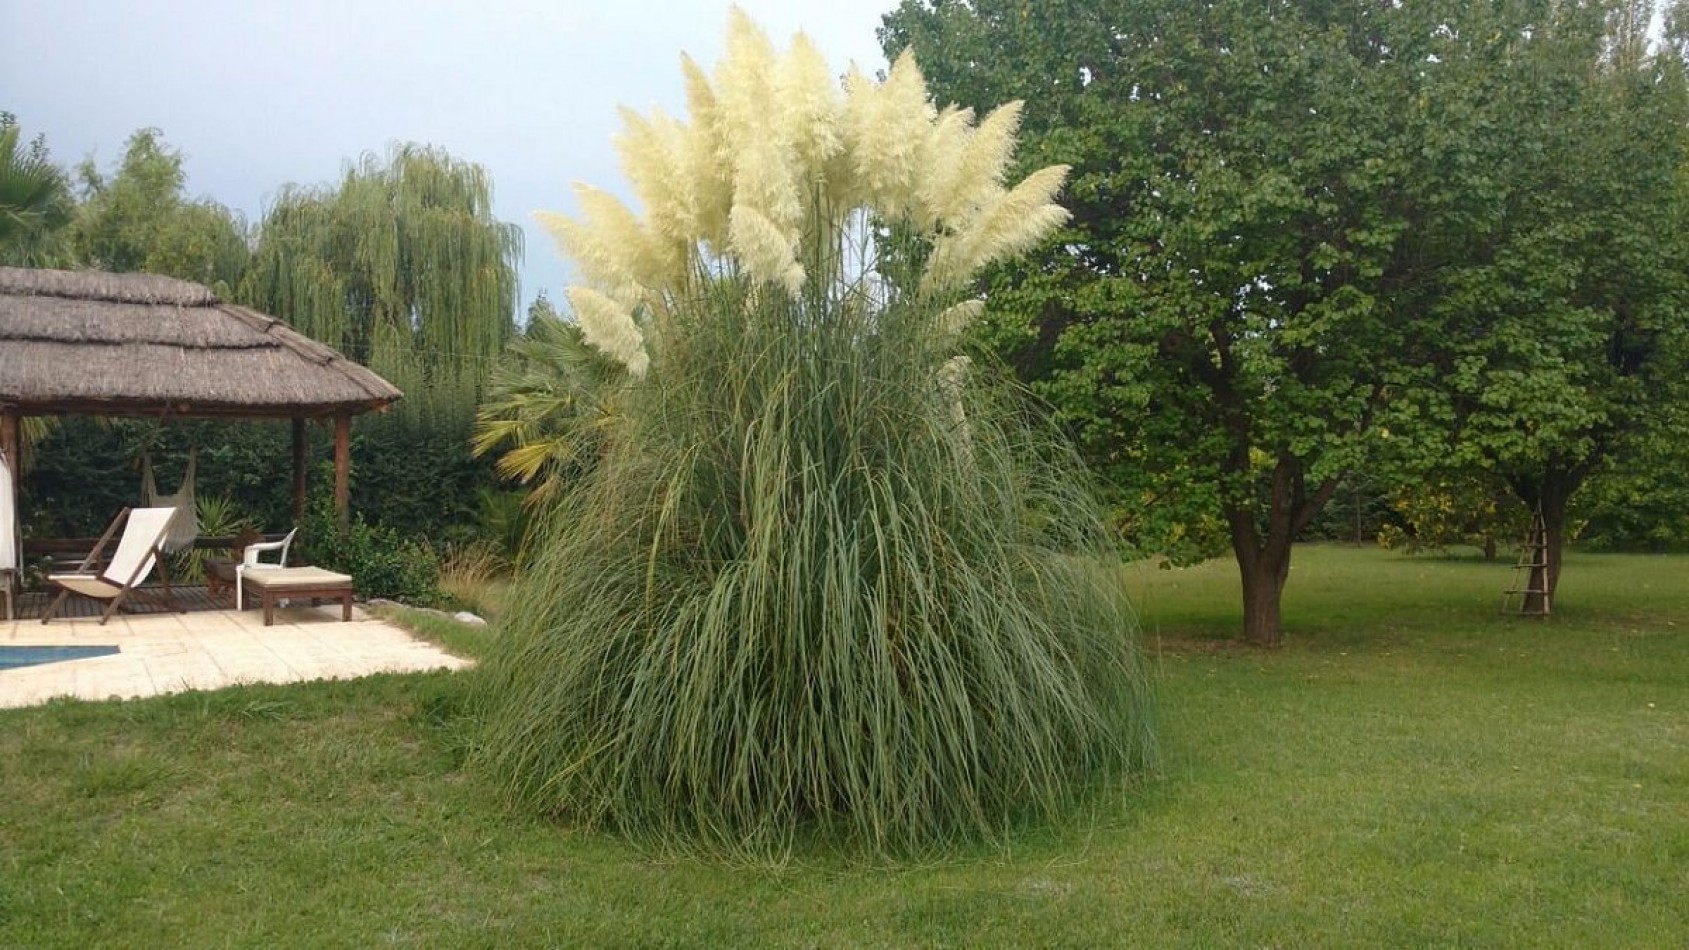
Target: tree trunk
{"points": [[1263, 556], [1554, 530], [1263, 591], [1551, 492]]}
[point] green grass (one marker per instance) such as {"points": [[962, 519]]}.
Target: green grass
{"points": [[1412, 769]]}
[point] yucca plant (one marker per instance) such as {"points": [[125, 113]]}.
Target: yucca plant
{"points": [[219, 517], [824, 578]]}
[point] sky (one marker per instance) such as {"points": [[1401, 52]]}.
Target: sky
{"points": [[256, 94]]}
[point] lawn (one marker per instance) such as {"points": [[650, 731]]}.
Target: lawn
{"points": [[1411, 769]]}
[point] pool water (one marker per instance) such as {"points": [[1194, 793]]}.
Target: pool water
{"points": [[12, 658]]}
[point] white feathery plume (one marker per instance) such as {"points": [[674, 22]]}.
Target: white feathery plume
{"points": [[945, 145], [886, 126], [809, 99], [958, 317], [703, 147], [767, 136], [613, 248], [1015, 221], [610, 328], [654, 158], [764, 249], [976, 178], [758, 142]]}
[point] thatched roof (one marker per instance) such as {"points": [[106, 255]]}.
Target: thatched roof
{"points": [[140, 344]]}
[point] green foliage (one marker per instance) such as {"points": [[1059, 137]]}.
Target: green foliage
{"points": [[35, 201], [402, 267], [548, 405], [1640, 501], [810, 588], [1299, 226], [382, 562], [79, 481], [138, 219], [1219, 324], [219, 517], [1464, 507], [416, 476], [505, 520], [418, 481]]}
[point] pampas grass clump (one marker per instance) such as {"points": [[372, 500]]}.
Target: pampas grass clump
{"points": [[825, 578]]}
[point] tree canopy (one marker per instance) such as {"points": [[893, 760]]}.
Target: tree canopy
{"points": [[1293, 226], [138, 218]]}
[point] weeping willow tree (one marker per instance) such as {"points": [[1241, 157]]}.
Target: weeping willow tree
{"points": [[402, 266], [824, 579]]}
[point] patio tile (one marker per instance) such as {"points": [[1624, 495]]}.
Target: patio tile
{"points": [[164, 653]]}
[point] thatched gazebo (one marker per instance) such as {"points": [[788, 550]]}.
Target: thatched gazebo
{"points": [[83, 342]]}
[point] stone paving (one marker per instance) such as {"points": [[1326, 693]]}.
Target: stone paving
{"points": [[171, 652]]}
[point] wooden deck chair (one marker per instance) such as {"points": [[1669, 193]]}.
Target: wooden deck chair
{"points": [[136, 554]]}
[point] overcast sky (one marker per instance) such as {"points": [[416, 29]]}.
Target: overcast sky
{"points": [[259, 93]]}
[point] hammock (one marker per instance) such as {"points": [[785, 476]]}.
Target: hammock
{"points": [[184, 527]]}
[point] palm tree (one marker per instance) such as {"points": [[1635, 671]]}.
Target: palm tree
{"points": [[35, 200], [548, 403]]}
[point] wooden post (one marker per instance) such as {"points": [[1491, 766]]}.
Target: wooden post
{"points": [[299, 454], [343, 467]]}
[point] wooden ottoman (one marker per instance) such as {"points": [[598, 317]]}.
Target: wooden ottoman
{"points": [[269, 583]]}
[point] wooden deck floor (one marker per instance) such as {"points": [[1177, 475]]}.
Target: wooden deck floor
{"points": [[32, 604]]}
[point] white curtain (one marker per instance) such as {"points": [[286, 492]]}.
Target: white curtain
{"points": [[8, 518]]}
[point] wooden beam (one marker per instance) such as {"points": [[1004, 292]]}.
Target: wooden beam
{"points": [[299, 454], [343, 467]]}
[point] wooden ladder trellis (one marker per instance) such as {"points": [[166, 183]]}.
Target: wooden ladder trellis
{"points": [[1532, 593]]}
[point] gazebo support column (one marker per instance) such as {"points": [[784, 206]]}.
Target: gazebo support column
{"points": [[299, 454], [343, 467]]}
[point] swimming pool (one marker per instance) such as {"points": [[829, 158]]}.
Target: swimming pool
{"points": [[12, 657]]}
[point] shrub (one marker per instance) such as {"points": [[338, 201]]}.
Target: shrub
{"points": [[823, 578], [381, 561]]}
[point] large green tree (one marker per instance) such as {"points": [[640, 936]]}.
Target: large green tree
{"points": [[1231, 306], [1285, 220], [138, 217], [1567, 309], [401, 266]]}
